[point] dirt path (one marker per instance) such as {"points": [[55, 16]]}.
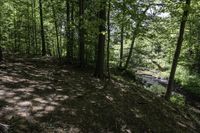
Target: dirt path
{"points": [[37, 96]]}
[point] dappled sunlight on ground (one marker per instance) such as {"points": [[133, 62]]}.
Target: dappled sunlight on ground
{"points": [[42, 97], [28, 92]]}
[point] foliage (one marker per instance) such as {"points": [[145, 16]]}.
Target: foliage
{"points": [[139, 34], [178, 99], [150, 30], [157, 89], [189, 80]]}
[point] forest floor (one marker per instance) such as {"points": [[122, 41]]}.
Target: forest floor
{"points": [[38, 96]]}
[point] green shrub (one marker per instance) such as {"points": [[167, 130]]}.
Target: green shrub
{"points": [[157, 89], [189, 81], [177, 99]]}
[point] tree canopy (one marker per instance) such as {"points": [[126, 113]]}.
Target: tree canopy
{"points": [[148, 40]]}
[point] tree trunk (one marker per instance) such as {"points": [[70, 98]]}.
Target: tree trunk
{"points": [[81, 34], [71, 43], [28, 39], [67, 28], [1, 53], [178, 50], [122, 40], [42, 29], [121, 47], [70, 31], [33, 35], [108, 43], [99, 70], [35, 29], [56, 30], [135, 33], [198, 50], [15, 35]]}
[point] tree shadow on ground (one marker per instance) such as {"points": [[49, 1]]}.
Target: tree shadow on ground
{"points": [[47, 98]]}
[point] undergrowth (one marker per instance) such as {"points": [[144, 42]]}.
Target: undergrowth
{"points": [[190, 81]]}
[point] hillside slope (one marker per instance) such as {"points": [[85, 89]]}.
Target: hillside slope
{"points": [[38, 96]]}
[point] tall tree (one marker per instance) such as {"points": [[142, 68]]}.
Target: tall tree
{"points": [[178, 49], [99, 69], [28, 38], [122, 37], [56, 30], [42, 29], [70, 30], [67, 27], [34, 28], [135, 34], [1, 54], [108, 41], [81, 34]]}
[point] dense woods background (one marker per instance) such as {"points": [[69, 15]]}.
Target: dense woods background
{"points": [[138, 33], [108, 36]]}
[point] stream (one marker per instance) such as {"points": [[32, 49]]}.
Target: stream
{"points": [[148, 78]]}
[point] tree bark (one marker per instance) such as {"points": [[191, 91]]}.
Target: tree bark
{"points": [[108, 42], [33, 27], [135, 33], [1, 53], [81, 34], [42, 29], [122, 40], [99, 69], [121, 47], [178, 50], [67, 28], [56, 30], [70, 31], [28, 39]]}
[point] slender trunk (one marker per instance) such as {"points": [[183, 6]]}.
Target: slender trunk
{"points": [[15, 35], [35, 29], [67, 29], [28, 39], [56, 29], [71, 46], [99, 70], [81, 34], [1, 53], [135, 33], [19, 43], [178, 50], [42, 29], [198, 49], [108, 43], [121, 46], [33, 37], [122, 39], [19, 26], [60, 42]]}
